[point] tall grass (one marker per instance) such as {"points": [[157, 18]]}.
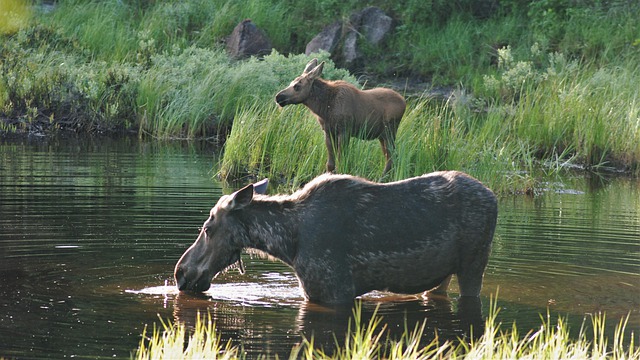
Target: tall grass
{"points": [[101, 27], [587, 112], [288, 144], [551, 340], [536, 108], [564, 88], [283, 146], [120, 30], [169, 343], [198, 91]]}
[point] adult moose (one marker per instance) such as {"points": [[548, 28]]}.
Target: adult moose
{"points": [[345, 236], [344, 111]]}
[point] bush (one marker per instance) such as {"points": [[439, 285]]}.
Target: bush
{"points": [[196, 92], [43, 82]]}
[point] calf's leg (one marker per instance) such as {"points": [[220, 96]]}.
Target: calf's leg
{"points": [[387, 143], [329, 143]]}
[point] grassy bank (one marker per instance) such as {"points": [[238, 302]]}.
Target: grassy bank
{"points": [[550, 82], [559, 113], [368, 341]]}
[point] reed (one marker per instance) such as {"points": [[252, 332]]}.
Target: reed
{"points": [[288, 144], [367, 340], [584, 112], [169, 342]]}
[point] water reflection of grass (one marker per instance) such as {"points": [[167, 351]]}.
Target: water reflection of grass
{"points": [[367, 341]]}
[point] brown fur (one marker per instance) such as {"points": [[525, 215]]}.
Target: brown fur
{"points": [[344, 111]]}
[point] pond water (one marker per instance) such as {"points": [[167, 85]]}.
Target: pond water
{"points": [[90, 231]]}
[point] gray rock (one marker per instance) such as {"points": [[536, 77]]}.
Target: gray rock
{"points": [[247, 40], [371, 24], [327, 40], [350, 46], [374, 24]]}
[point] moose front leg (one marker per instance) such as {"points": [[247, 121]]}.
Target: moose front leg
{"points": [[330, 141]]}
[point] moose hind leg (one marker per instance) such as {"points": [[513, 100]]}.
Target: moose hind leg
{"points": [[470, 282], [331, 160], [475, 262], [470, 278], [387, 145]]}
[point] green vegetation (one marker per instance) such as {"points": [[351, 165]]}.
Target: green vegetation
{"points": [[169, 343], [554, 111], [552, 82], [368, 341]]}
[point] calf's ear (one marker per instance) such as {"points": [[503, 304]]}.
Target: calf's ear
{"points": [[316, 72], [312, 64], [240, 198]]}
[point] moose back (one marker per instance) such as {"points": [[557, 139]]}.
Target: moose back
{"points": [[345, 236]]}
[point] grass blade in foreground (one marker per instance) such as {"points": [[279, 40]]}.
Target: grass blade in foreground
{"points": [[549, 341]]}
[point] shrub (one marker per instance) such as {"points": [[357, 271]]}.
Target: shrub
{"points": [[196, 91], [42, 81]]}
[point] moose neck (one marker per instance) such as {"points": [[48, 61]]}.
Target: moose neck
{"points": [[320, 98], [271, 229]]}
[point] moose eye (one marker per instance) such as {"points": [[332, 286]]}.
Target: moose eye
{"points": [[296, 87], [207, 225]]}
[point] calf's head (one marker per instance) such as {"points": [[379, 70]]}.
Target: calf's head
{"points": [[300, 88], [220, 243]]}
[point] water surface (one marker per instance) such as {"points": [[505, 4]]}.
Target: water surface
{"points": [[90, 231]]}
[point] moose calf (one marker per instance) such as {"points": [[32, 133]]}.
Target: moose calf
{"points": [[344, 111]]}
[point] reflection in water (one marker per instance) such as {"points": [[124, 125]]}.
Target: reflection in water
{"points": [[79, 220], [576, 254], [278, 328], [439, 315], [90, 232]]}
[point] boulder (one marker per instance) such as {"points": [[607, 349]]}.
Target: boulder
{"points": [[327, 40], [371, 24], [247, 40], [374, 24], [350, 46]]}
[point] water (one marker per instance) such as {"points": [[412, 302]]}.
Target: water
{"points": [[90, 232]]}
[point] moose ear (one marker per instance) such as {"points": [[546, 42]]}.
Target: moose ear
{"points": [[312, 64], [316, 72], [240, 198], [261, 186]]}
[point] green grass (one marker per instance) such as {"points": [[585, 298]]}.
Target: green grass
{"points": [[538, 109], [552, 340], [587, 112], [169, 342], [288, 145], [198, 91], [564, 91]]}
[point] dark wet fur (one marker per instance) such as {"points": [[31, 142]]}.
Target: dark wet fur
{"points": [[345, 236]]}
